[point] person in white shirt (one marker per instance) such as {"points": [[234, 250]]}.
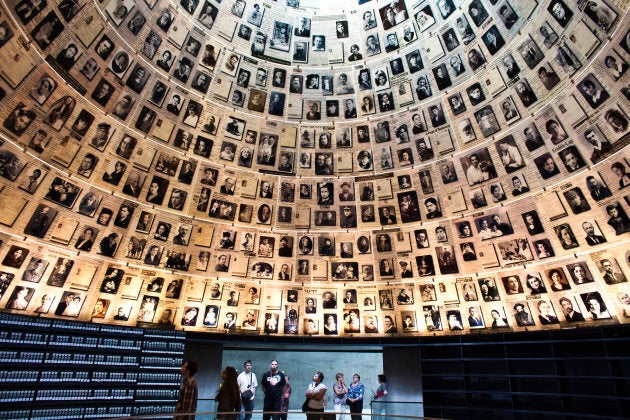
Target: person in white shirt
{"points": [[247, 384]]}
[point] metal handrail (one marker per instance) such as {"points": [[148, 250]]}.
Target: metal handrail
{"points": [[212, 414]]}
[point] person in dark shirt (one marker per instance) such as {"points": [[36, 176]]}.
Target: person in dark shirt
{"points": [[272, 385]]}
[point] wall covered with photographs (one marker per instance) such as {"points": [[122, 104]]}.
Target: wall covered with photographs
{"points": [[251, 167]]}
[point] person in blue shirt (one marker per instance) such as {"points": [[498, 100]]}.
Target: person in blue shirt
{"points": [[355, 397]]}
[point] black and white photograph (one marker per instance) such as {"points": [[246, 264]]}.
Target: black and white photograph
{"points": [[46, 31], [595, 306], [487, 121], [303, 27], [566, 59], [43, 88], [201, 81], [19, 119], [104, 47], [456, 103], [493, 225], [446, 259], [134, 24], [208, 14], [281, 39], [478, 12], [442, 78], [531, 54], [560, 12], [103, 92], [32, 179], [592, 90], [616, 66], [493, 40], [548, 76], [600, 13], [393, 14], [425, 18], [27, 10]]}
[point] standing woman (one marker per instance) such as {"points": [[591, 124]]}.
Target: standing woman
{"points": [[341, 390], [316, 394], [355, 397], [229, 396], [381, 396], [284, 400]]}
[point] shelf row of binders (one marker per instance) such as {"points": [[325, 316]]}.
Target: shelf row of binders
{"points": [[72, 370]]}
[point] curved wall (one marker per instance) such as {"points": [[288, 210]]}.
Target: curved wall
{"points": [[383, 169]]}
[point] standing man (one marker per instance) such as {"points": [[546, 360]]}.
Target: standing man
{"points": [[187, 399], [272, 384], [247, 384]]}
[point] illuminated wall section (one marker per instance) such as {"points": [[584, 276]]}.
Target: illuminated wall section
{"points": [[388, 168]]}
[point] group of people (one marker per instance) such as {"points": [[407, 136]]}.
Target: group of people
{"points": [[236, 394]]}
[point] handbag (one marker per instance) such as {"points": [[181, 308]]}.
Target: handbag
{"points": [[247, 395], [305, 406]]}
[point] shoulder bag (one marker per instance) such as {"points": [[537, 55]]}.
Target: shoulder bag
{"points": [[247, 394], [305, 406]]}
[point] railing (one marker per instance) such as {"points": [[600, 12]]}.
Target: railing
{"points": [[295, 414]]}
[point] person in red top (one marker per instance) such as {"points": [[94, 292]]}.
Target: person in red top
{"points": [[187, 399]]}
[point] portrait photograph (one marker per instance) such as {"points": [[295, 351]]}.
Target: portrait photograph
{"points": [[566, 59], [487, 121], [10, 164], [208, 14], [477, 198], [135, 248], [27, 11], [478, 167], [611, 271], [457, 104], [592, 91], [409, 207], [281, 41], [409, 321], [565, 235], [580, 273], [450, 39], [60, 272], [497, 192], [211, 316], [63, 192], [425, 18], [15, 257], [19, 119], [393, 14], [40, 221], [432, 317], [514, 251], [560, 12], [493, 39], [509, 110], [47, 30], [530, 52], [595, 305], [70, 304], [615, 65], [32, 179], [600, 13], [546, 166], [43, 88], [446, 259], [118, 11]]}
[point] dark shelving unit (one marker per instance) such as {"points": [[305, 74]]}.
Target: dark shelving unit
{"points": [[73, 370], [546, 374]]}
